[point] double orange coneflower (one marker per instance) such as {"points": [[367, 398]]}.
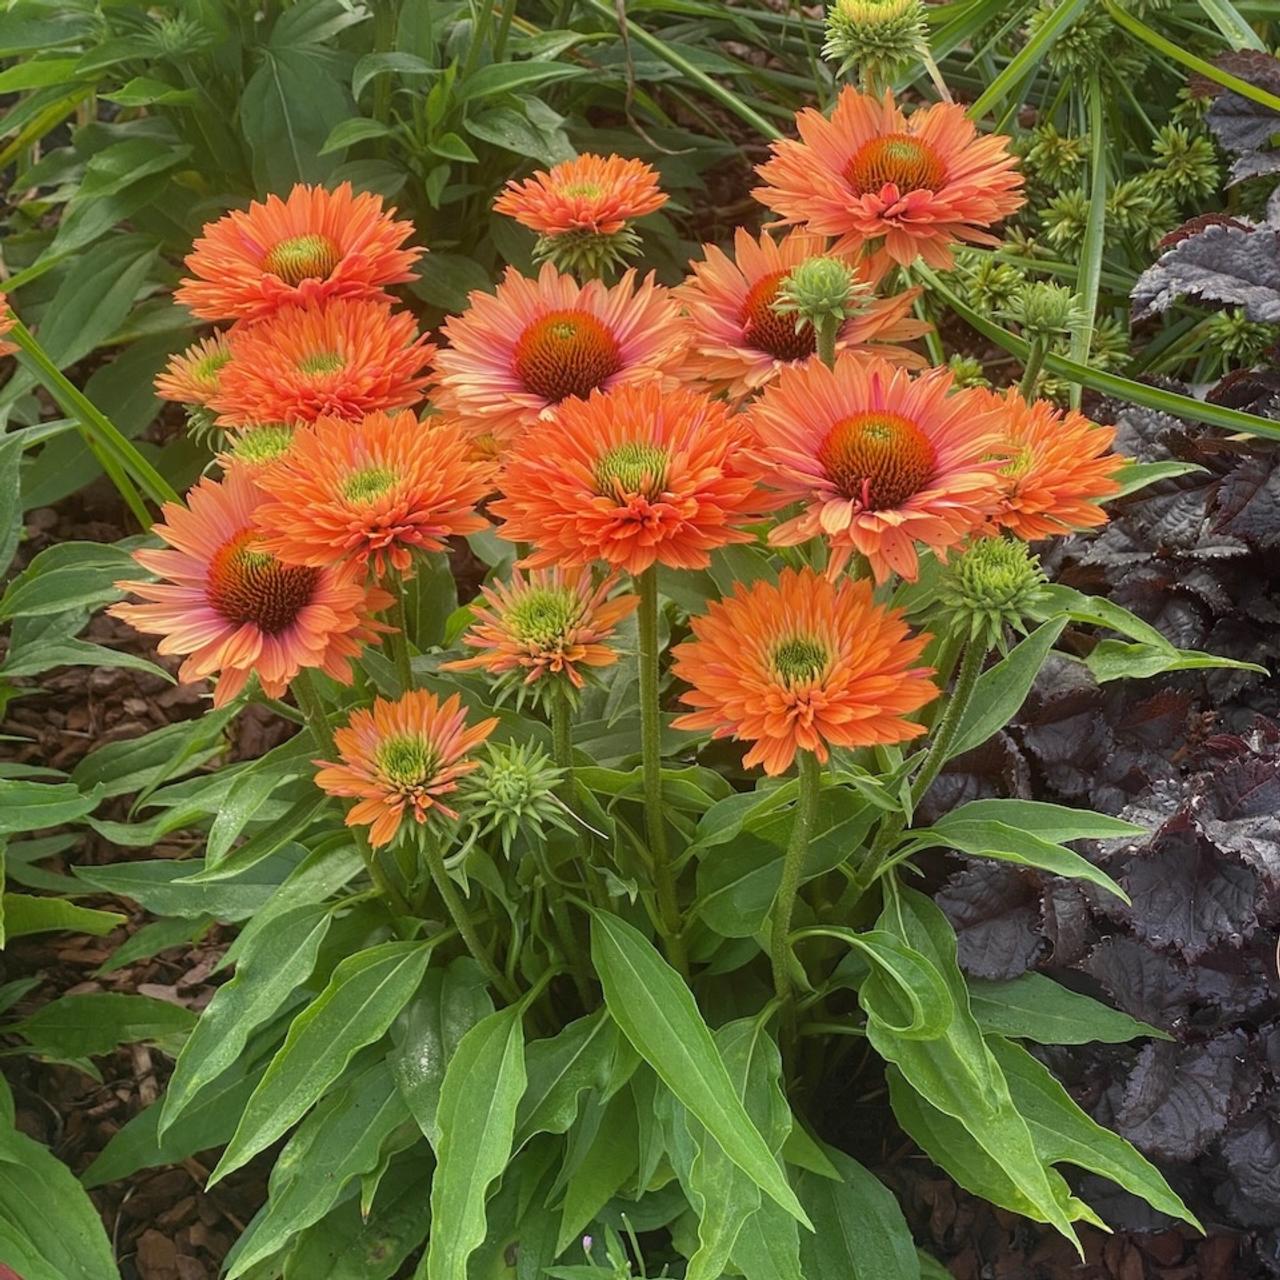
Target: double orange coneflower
{"points": [[623, 427]]}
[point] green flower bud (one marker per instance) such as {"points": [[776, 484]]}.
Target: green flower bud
{"points": [[1233, 340], [968, 371], [1187, 168], [513, 793], [992, 585], [589, 254], [881, 35], [821, 290], [1042, 310], [259, 444]]}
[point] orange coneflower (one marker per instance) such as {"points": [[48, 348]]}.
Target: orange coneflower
{"points": [[545, 622], [7, 321], [341, 358], [1059, 467], [881, 460], [375, 490], [255, 447], [191, 377], [631, 477], [401, 757], [316, 244], [920, 183], [738, 342], [235, 608], [805, 664], [516, 354], [600, 194]]}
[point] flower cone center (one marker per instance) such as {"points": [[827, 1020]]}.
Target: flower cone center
{"points": [[248, 585], [566, 353], [263, 443], [766, 330], [321, 362], [632, 468], [799, 660], [543, 617], [908, 163], [406, 762], [367, 484], [303, 258], [877, 459]]}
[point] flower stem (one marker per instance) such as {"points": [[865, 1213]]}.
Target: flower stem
{"points": [[939, 749], [651, 755], [781, 953], [400, 640], [311, 704], [826, 330], [457, 910], [1037, 349], [561, 731]]}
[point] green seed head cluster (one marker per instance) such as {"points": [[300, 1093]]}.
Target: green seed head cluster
{"points": [[989, 285], [588, 254], [1064, 219], [1091, 43], [968, 371], [1054, 158], [1140, 209], [878, 35], [820, 290], [992, 586], [1045, 310], [1236, 341], [1186, 168], [512, 795]]}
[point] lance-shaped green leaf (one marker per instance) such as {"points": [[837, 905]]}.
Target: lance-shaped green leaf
{"points": [[1033, 1007], [561, 1069], [363, 997], [477, 1116], [266, 976], [658, 1014]]}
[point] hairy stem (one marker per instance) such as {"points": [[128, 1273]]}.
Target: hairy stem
{"points": [[781, 952]]}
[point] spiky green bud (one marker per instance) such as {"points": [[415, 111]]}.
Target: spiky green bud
{"points": [[1044, 310], [819, 291], [878, 35], [993, 585], [1187, 168], [589, 254], [968, 371], [513, 794]]}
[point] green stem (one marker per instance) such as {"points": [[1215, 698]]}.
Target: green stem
{"points": [[384, 34], [311, 704], [400, 639], [102, 435], [826, 331], [939, 750], [781, 953], [1037, 349], [561, 731], [651, 756], [461, 918]]}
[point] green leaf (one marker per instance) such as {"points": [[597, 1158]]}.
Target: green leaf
{"points": [[657, 1013], [363, 997], [477, 1116], [144, 91], [1033, 1007], [957, 1072], [506, 77], [373, 65], [33, 660], [339, 1141], [142, 763], [1135, 476], [24, 915], [1116, 660], [49, 1228], [81, 1026], [349, 132], [152, 939], [1001, 690], [36, 73], [1063, 1134], [988, 839], [267, 975], [561, 1069], [71, 575], [449, 1003], [859, 1231], [610, 1158], [1056, 822]]}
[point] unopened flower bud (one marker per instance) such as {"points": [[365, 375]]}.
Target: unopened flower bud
{"points": [[587, 254], [513, 792], [995, 583], [879, 35], [257, 445], [821, 290], [1043, 310]]}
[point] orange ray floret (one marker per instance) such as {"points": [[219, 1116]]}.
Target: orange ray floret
{"points": [[738, 343], [547, 622], [191, 377], [374, 490], [516, 354], [1060, 466], [600, 194], [881, 460], [314, 245], [235, 609], [339, 359], [399, 758], [7, 321], [869, 173], [632, 477], [806, 664]]}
